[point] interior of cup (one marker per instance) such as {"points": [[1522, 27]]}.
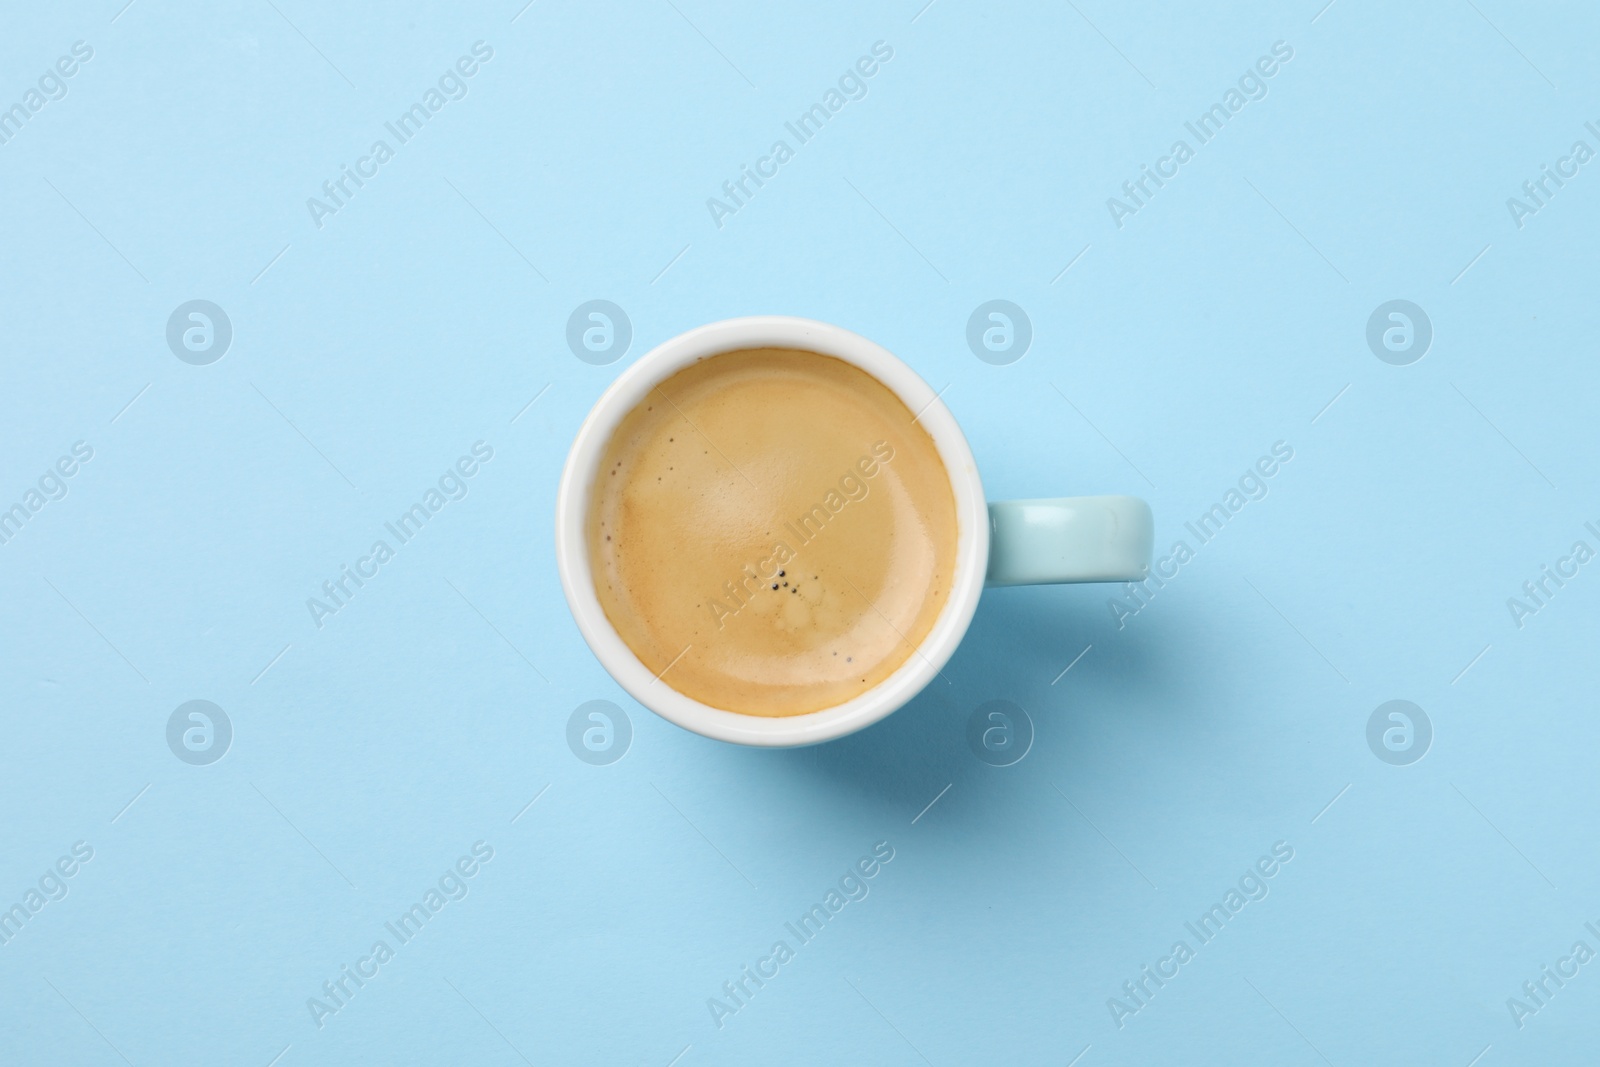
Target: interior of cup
{"points": [[577, 485]]}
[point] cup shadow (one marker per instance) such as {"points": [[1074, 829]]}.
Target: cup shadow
{"points": [[1019, 643]]}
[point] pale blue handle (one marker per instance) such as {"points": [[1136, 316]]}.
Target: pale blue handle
{"points": [[1069, 539]]}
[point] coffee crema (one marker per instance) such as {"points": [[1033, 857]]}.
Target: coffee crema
{"points": [[771, 532]]}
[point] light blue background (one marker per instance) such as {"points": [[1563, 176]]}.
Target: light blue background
{"points": [[1225, 316]]}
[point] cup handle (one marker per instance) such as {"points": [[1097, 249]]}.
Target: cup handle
{"points": [[1069, 539]]}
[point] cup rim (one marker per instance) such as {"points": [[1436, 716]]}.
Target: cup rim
{"points": [[577, 579]]}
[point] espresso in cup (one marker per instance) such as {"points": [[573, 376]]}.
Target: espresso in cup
{"points": [[771, 531]]}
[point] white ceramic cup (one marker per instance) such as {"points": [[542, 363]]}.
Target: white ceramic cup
{"points": [[1081, 539]]}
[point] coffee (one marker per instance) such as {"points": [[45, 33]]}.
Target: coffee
{"points": [[772, 532]]}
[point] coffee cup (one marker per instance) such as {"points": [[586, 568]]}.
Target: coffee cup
{"points": [[1004, 543]]}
